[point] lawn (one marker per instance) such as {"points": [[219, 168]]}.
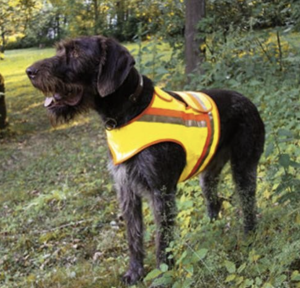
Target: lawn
{"points": [[57, 199], [59, 224]]}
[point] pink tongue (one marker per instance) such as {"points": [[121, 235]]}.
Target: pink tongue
{"points": [[48, 101]]}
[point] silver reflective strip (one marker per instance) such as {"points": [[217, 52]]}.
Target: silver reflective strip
{"points": [[209, 145], [196, 96], [211, 120], [2, 93], [172, 120]]}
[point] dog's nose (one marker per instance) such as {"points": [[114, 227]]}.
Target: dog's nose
{"points": [[31, 72]]}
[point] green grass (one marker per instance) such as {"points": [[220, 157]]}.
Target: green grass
{"points": [[56, 196], [58, 204]]}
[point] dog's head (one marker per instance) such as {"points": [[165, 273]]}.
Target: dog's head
{"points": [[81, 69]]}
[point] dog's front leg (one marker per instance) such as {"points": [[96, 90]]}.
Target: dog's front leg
{"points": [[164, 209], [131, 206]]}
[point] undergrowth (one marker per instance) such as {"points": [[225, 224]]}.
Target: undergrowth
{"points": [[264, 66]]}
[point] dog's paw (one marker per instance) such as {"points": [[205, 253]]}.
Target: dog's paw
{"points": [[214, 207], [250, 227], [213, 210], [133, 276]]}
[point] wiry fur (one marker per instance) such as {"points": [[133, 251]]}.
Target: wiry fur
{"points": [[98, 73]]}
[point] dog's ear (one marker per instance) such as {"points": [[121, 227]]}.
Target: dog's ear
{"points": [[115, 64]]}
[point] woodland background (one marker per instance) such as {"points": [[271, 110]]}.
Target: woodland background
{"points": [[59, 223]]}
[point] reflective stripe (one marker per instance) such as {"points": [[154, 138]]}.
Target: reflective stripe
{"points": [[197, 168], [196, 97], [172, 120], [193, 99]]}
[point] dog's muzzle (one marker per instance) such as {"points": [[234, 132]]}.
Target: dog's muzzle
{"points": [[31, 72]]}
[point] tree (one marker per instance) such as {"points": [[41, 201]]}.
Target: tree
{"points": [[2, 104], [194, 55], [5, 16], [15, 16]]}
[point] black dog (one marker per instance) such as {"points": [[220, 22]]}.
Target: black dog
{"points": [[98, 73]]}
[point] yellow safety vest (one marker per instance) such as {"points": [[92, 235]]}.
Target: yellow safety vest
{"points": [[194, 124]]}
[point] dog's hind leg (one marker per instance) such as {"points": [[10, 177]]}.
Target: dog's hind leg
{"points": [[209, 180], [246, 149], [245, 180], [164, 210], [131, 206]]}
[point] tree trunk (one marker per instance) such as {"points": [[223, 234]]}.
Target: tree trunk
{"points": [[195, 11], [57, 19], [2, 46], [120, 18], [2, 104], [96, 17]]}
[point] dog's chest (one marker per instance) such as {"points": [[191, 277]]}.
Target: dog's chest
{"points": [[128, 179]]}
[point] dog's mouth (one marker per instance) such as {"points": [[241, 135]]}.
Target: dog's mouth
{"points": [[58, 99]]}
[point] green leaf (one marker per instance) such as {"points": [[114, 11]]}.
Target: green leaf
{"points": [[201, 253], [230, 266], [258, 281], [163, 267], [165, 280], [284, 132], [239, 280], [153, 274], [284, 160], [269, 149], [280, 279], [248, 282], [294, 164], [161, 70], [295, 276], [230, 278], [187, 283], [177, 284], [190, 269], [241, 268], [268, 285], [187, 204], [181, 258]]}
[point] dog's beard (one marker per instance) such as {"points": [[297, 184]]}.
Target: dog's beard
{"points": [[62, 107], [59, 114], [63, 101]]}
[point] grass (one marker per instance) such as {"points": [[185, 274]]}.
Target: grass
{"points": [[59, 214], [50, 206]]}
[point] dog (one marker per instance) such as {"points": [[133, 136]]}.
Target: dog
{"points": [[98, 73]]}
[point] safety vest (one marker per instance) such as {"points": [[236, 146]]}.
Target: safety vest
{"points": [[192, 123]]}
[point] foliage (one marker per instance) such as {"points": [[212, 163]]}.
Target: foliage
{"points": [[264, 66], [44, 22], [15, 19]]}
